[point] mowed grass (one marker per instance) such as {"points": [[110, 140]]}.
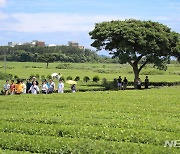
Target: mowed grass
{"points": [[134, 121]]}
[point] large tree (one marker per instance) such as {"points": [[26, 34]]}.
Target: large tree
{"points": [[137, 42]]}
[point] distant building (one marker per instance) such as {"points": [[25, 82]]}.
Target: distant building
{"points": [[38, 43], [75, 44], [11, 44], [42, 44]]}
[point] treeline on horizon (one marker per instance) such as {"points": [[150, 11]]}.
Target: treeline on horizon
{"points": [[26, 53]]}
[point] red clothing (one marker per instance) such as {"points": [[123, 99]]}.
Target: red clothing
{"points": [[12, 87]]}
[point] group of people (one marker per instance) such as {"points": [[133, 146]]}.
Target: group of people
{"points": [[122, 84], [49, 87], [33, 87], [139, 83]]}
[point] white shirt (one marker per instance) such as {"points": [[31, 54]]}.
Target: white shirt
{"points": [[6, 86], [44, 87], [24, 89], [34, 89], [60, 87]]}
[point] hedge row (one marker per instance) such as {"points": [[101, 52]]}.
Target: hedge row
{"points": [[89, 132], [170, 125], [50, 144], [110, 85]]}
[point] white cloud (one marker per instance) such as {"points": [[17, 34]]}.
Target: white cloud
{"points": [[57, 22], [51, 22], [3, 3]]}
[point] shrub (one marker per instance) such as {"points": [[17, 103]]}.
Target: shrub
{"points": [[36, 67], [107, 84], [5, 76], [10, 76], [49, 77], [96, 78], [115, 83], [77, 78], [42, 77], [37, 76], [16, 77], [27, 66], [62, 78], [86, 79], [64, 66], [69, 78]]}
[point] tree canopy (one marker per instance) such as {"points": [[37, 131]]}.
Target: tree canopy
{"points": [[133, 41]]}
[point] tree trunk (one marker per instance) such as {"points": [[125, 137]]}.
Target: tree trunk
{"points": [[136, 75]]}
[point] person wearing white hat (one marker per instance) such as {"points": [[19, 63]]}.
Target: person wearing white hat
{"points": [[34, 79]]}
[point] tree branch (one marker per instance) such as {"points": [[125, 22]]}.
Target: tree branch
{"points": [[129, 61], [143, 65], [138, 59]]}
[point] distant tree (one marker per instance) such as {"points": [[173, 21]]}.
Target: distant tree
{"points": [[96, 78], [134, 40], [47, 58], [77, 78], [69, 78], [86, 79]]}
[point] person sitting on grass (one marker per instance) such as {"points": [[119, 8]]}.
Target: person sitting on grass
{"points": [[34, 88], [6, 88]]}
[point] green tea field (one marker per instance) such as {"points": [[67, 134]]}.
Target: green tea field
{"points": [[91, 122], [132, 121], [108, 71]]}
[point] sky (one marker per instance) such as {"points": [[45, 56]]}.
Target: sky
{"points": [[60, 21]]}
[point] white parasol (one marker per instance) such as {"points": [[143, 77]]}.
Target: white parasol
{"points": [[71, 82], [56, 75]]}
